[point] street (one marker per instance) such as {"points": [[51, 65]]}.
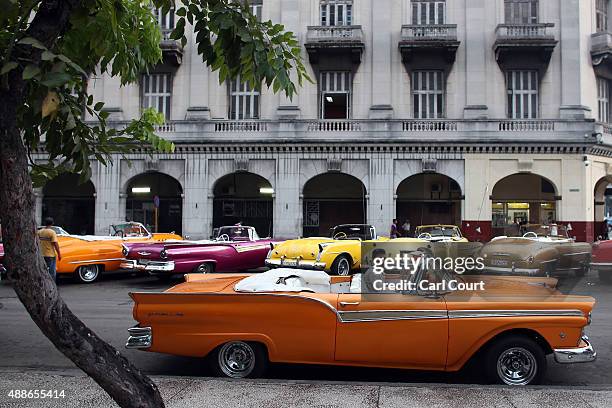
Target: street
{"points": [[107, 309]]}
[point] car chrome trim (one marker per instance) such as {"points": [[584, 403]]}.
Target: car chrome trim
{"points": [[355, 316], [584, 354], [140, 338], [577, 253], [470, 314], [601, 263], [98, 260]]}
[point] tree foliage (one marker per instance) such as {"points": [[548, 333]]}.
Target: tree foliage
{"points": [[122, 38]]}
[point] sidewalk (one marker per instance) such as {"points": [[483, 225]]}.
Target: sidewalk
{"points": [[184, 392]]}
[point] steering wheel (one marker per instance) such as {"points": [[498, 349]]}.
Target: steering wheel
{"points": [[425, 235], [340, 235], [223, 237], [530, 234]]}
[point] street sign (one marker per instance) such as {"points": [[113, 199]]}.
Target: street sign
{"points": [[156, 201]]}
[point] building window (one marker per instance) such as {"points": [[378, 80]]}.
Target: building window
{"points": [[603, 100], [601, 15], [244, 101], [428, 94], [256, 7], [428, 12], [523, 92], [521, 11], [335, 89], [166, 21], [156, 92], [336, 13]]}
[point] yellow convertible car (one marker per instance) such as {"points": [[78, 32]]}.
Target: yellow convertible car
{"points": [[340, 254]]}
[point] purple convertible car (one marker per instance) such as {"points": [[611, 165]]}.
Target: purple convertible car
{"points": [[232, 249]]}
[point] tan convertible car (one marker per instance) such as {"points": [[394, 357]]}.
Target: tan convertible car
{"points": [[543, 250]]}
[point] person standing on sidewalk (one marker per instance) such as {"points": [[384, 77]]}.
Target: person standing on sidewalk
{"points": [[49, 246]]}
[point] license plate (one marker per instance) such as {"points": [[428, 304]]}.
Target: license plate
{"points": [[289, 263], [499, 262]]}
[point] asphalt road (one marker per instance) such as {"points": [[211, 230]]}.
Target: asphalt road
{"points": [[107, 309]]}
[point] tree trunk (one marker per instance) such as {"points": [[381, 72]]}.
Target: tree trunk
{"points": [[27, 271]]}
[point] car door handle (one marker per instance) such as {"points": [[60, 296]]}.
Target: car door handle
{"points": [[349, 303]]}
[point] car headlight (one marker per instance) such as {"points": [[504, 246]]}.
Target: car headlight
{"points": [[589, 319], [124, 250], [530, 259], [163, 254]]}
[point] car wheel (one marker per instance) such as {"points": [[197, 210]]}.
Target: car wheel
{"points": [[239, 359], [341, 266], [605, 276], [88, 273], [515, 360], [204, 268]]}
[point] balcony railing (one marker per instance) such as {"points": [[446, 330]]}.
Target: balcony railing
{"points": [[485, 131], [443, 32], [334, 34], [541, 31]]}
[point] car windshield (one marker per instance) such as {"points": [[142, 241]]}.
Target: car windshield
{"points": [[552, 230], [363, 232], [129, 229], [440, 231], [58, 230], [238, 233]]}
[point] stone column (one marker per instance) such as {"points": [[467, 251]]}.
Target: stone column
{"points": [[110, 207], [38, 204], [475, 60], [381, 49], [476, 207], [196, 214], [287, 208], [290, 18], [574, 68], [198, 107], [381, 202]]}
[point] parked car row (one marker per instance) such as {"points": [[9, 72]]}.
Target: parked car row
{"points": [[544, 250]]}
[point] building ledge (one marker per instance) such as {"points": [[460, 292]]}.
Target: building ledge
{"points": [[172, 50], [527, 45], [601, 53], [329, 41], [406, 131], [420, 41]]}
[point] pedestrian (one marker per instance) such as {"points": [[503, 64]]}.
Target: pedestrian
{"points": [[406, 228], [49, 246], [395, 229]]}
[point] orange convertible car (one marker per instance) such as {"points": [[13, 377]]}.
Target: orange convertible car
{"points": [[241, 322], [88, 256]]}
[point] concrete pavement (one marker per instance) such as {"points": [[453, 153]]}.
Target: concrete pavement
{"points": [[186, 392]]}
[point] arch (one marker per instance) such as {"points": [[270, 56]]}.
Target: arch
{"points": [[71, 203], [602, 206], [244, 197], [428, 198], [331, 199], [165, 215], [535, 202]]}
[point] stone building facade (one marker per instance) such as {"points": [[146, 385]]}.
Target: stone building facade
{"points": [[480, 113]]}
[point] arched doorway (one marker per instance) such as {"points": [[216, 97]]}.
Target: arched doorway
{"points": [[246, 198], [332, 199], [155, 199], [602, 207], [520, 199], [428, 198], [70, 203]]}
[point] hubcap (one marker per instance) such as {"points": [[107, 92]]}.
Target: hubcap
{"points": [[343, 267], [517, 366], [203, 268], [236, 359], [88, 273]]}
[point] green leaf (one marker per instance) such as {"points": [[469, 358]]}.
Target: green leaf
{"points": [[47, 55], [33, 42], [56, 79], [8, 67], [30, 71], [98, 106]]}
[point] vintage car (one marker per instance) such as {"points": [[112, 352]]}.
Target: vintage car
{"points": [[87, 256], [340, 254], [439, 233], [240, 323], [601, 260], [543, 250], [233, 248]]}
